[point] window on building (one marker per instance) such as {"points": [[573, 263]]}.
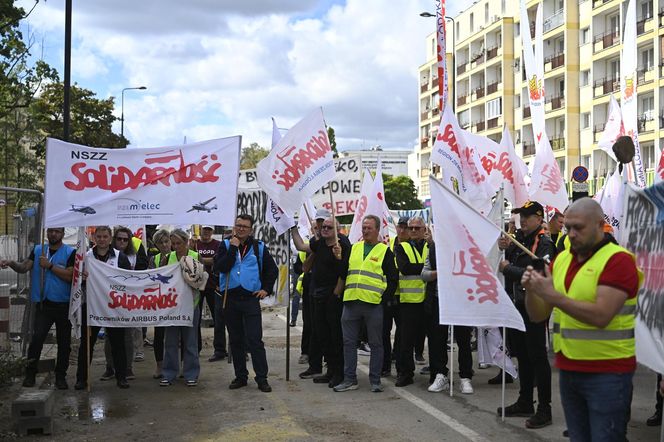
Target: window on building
{"points": [[472, 22], [585, 161], [458, 31], [561, 166], [646, 10], [647, 59], [648, 152], [585, 36], [502, 7], [486, 13], [560, 45], [517, 101], [585, 120], [494, 108], [584, 79], [614, 23], [464, 118], [517, 29]]}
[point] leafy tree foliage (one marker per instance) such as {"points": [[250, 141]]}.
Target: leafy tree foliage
{"points": [[251, 155], [333, 141], [400, 193]]}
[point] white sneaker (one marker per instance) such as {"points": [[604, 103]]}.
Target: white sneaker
{"points": [[466, 386], [439, 384]]}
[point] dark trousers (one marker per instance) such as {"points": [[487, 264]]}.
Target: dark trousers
{"points": [[420, 337], [158, 344], [219, 340], [437, 335], [307, 313], [114, 334], [207, 294], [327, 328], [531, 354], [658, 404], [412, 317], [390, 314], [314, 349], [46, 315], [244, 323]]}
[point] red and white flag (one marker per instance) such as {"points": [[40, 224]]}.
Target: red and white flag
{"points": [[613, 129], [441, 36], [461, 165], [377, 205], [659, 174], [355, 233], [547, 186], [469, 292], [273, 213], [610, 198], [76, 293], [502, 165], [628, 90], [299, 165]]}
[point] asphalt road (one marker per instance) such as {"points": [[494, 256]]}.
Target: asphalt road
{"points": [[299, 409]]}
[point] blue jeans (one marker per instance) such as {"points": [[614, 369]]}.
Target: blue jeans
{"points": [[354, 313], [596, 405], [189, 337]]}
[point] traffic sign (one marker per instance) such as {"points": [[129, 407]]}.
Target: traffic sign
{"points": [[580, 174]]}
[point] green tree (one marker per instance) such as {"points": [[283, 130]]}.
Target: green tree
{"points": [[400, 193], [251, 155], [333, 141]]}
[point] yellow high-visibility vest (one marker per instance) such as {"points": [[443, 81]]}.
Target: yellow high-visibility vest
{"points": [[412, 287], [578, 340], [366, 281]]}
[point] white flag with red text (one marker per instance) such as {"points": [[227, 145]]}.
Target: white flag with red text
{"points": [[76, 293], [377, 205], [612, 129], [628, 90], [659, 173], [355, 233], [469, 292], [547, 186], [273, 213], [460, 164], [299, 165]]}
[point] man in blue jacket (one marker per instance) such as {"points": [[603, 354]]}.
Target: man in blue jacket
{"points": [[57, 265], [247, 275]]}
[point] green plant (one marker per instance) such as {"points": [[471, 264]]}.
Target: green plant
{"points": [[10, 367]]}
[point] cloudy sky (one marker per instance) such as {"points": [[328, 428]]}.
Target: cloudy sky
{"points": [[216, 68]]}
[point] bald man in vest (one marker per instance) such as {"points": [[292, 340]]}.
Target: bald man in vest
{"points": [[591, 290], [370, 280]]}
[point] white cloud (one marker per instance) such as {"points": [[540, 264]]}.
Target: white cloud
{"points": [[221, 68]]}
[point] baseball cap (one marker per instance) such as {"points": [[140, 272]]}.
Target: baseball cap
{"points": [[323, 213], [530, 208], [207, 227], [403, 220]]}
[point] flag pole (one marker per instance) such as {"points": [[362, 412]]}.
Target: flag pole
{"points": [[288, 308], [451, 360], [505, 234], [306, 212], [502, 393], [87, 354], [334, 218]]}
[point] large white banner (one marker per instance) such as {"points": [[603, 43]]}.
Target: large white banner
{"points": [[188, 184], [643, 234], [468, 290], [143, 298], [273, 213], [299, 165], [628, 89]]}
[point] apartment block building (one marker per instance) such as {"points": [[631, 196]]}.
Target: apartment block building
{"points": [[582, 43]]}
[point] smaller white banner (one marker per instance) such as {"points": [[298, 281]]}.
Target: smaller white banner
{"points": [[144, 298]]}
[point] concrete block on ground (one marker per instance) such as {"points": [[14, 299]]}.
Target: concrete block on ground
{"points": [[33, 403], [33, 425]]}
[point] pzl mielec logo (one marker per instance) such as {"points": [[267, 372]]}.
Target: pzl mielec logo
{"points": [[629, 88], [535, 88]]}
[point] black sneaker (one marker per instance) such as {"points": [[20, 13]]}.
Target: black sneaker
{"points": [[218, 357], [655, 420], [237, 383], [322, 379], [517, 409], [264, 387], [122, 383], [29, 381], [540, 419], [498, 379], [309, 373], [108, 375], [61, 384], [79, 385], [402, 381]]}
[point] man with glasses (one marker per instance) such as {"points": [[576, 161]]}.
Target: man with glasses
{"points": [[52, 298], [247, 273], [330, 261], [410, 256]]}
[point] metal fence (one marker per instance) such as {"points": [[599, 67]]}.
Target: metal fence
{"points": [[15, 307]]}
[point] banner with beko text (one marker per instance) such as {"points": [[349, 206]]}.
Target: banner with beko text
{"points": [[142, 298], [187, 184], [299, 165]]}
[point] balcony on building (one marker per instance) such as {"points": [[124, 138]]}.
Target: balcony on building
{"points": [[554, 102], [424, 142], [478, 126], [554, 61], [644, 24], [598, 130], [605, 40], [493, 123], [492, 87], [478, 92], [555, 20], [425, 115], [605, 86], [645, 75], [462, 99], [646, 121], [558, 143], [477, 58], [598, 3], [526, 111], [661, 16], [661, 119]]}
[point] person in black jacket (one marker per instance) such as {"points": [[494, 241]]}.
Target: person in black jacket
{"points": [[247, 275], [529, 346]]}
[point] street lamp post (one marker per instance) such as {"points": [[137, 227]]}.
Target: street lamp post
{"points": [[139, 88], [428, 15]]}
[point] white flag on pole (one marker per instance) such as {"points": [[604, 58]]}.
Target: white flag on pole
{"points": [[610, 198], [490, 350], [547, 186], [659, 174], [76, 294], [355, 233], [299, 165], [273, 213], [612, 129], [469, 292], [377, 205]]}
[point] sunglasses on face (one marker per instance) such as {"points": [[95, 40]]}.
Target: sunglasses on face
{"points": [[326, 228], [123, 239], [415, 228], [240, 227]]}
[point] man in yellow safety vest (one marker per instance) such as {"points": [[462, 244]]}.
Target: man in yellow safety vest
{"points": [[591, 290]]}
